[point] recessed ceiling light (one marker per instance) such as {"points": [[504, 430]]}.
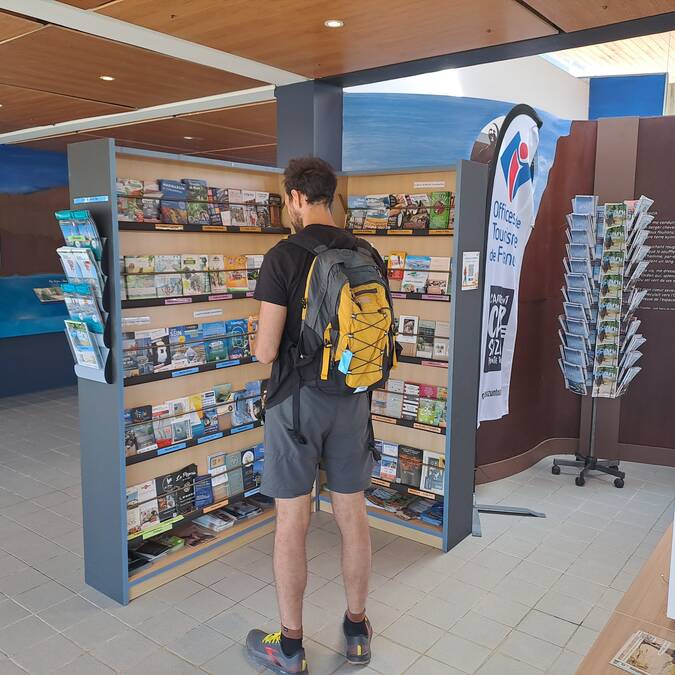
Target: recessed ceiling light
{"points": [[333, 23], [188, 138], [106, 78]]}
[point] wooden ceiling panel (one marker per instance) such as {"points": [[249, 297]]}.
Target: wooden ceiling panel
{"points": [[571, 15], [290, 34], [263, 154], [70, 63], [173, 132], [85, 4], [260, 118], [25, 108], [11, 26]]}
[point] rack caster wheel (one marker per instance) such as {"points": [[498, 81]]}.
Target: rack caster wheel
{"points": [[555, 470], [580, 481], [618, 482]]}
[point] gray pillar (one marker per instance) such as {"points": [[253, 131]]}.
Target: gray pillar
{"points": [[464, 354], [91, 169], [309, 122]]}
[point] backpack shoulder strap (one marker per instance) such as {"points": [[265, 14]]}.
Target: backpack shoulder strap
{"points": [[307, 242], [367, 247]]}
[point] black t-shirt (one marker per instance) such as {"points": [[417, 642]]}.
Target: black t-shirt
{"points": [[282, 281]]}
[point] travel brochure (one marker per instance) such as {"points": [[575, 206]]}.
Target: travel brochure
{"points": [[598, 330], [646, 654], [79, 230], [433, 211], [83, 290], [418, 273], [166, 349], [187, 274], [406, 506], [401, 464], [160, 427], [422, 338], [191, 201], [180, 509], [83, 344], [422, 403], [180, 493]]}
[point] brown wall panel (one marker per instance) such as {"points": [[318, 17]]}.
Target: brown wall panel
{"points": [[615, 158], [540, 406], [648, 406], [29, 234]]}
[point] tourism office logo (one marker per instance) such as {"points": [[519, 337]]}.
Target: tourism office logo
{"points": [[515, 166]]}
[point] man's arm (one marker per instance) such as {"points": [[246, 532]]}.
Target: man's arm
{"points": [[271, 322]]}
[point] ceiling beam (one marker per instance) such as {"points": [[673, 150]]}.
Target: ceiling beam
{"points": [[166, 110], [127, 33], [650, 25]]}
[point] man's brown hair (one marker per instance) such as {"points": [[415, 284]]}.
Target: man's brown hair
{"points": [[312, 177]]}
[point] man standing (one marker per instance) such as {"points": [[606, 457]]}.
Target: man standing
{"points": [[335, 431]]}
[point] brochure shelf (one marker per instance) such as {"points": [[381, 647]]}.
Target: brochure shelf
{"points": [[94, 167], [407, 490], [106, 474], [411, 424], [132, 226], [423, 362], [193, 370], [189, 558], [427, 306], [189, 517], [383, 520], [402, 233], [398, 295], [186, 300], [202, 440]]}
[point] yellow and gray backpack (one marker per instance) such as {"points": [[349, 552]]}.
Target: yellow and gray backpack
{"points": [[347, 339]]}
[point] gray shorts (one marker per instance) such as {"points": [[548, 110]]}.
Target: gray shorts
{"points": [[336, 429]]}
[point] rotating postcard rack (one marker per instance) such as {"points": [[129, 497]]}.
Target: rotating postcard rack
{"points": [[599, 331]]}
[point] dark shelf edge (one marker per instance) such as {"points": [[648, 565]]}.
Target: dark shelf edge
{"points": [[402, 233], [186, 299], [133, 226], [407, 489], [416, 360], [410, 424]]}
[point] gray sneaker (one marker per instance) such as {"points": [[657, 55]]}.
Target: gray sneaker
{"points": [[358, 646], [265, 648]]}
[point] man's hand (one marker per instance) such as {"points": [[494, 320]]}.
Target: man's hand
{"points": [[271, 322]]}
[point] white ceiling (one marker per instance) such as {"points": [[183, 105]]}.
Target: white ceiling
{"points": [[647, 54]]}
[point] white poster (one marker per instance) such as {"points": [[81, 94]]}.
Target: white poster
{"points": [[510, 221], [470, 270]]}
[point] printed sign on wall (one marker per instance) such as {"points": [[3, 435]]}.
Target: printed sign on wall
{"points": [[470, 270], [510, 217]]}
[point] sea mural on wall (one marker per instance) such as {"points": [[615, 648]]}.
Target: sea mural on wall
{"points": [[391, 131], [33, 184]]}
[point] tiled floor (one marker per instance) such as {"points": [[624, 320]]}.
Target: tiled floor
{"points": [[529, 597]]}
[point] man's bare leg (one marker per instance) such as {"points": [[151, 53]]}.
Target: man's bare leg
{"points": [[352, 519], [290, 560]]}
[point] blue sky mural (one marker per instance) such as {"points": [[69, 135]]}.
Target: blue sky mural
{"points": [[392, 131], [26, 170]]}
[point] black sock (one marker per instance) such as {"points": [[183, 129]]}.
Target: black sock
{"points": [[290, 646], [354, 628]]}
